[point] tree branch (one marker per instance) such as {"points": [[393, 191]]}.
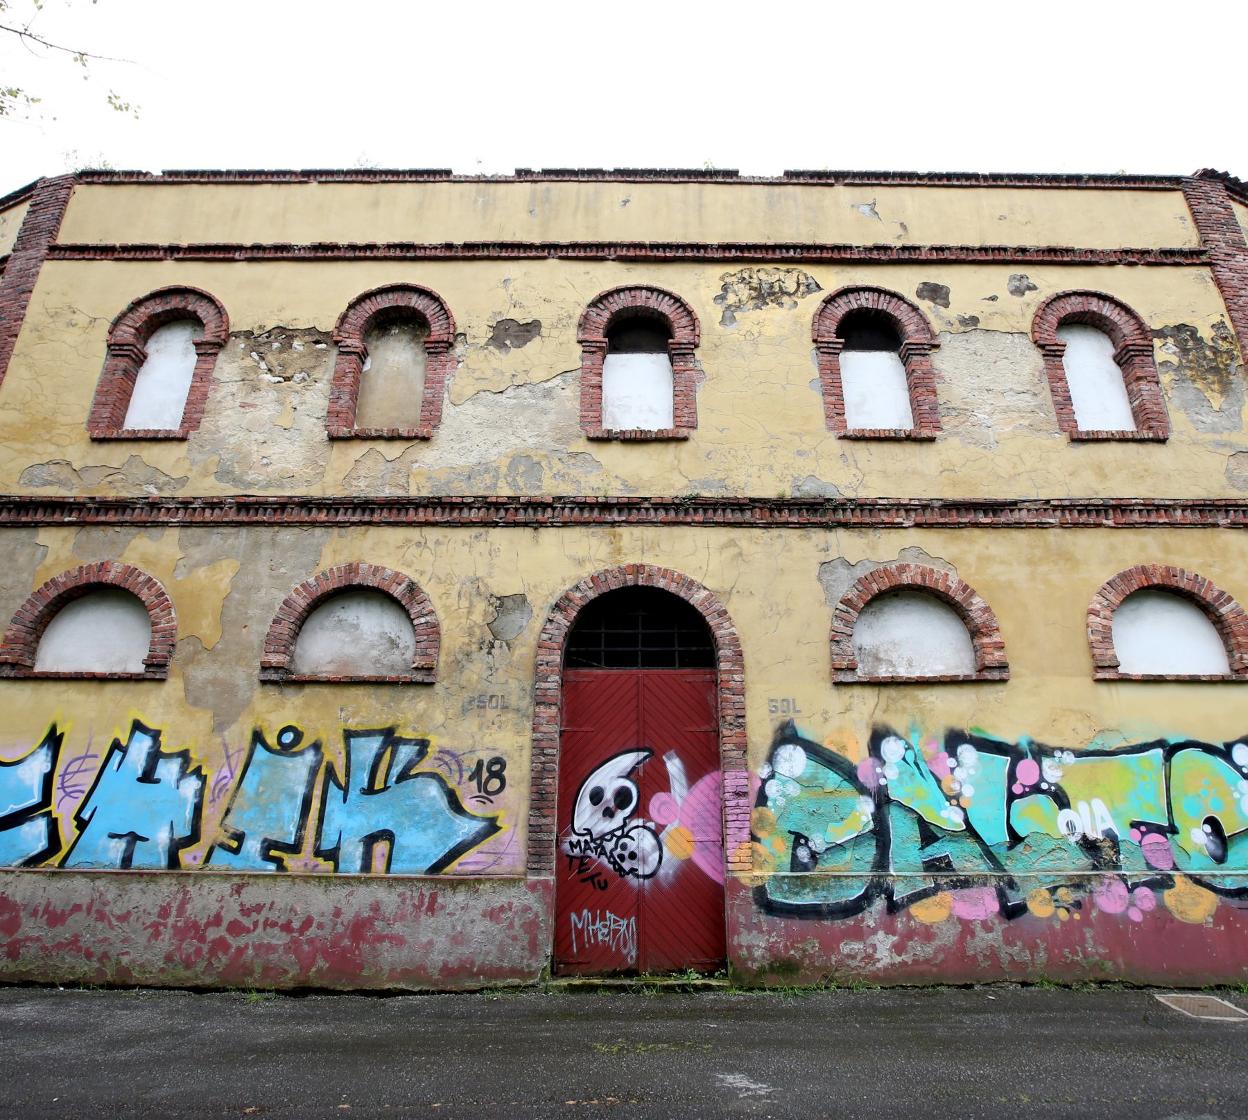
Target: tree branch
{"points": [[24, 34]]}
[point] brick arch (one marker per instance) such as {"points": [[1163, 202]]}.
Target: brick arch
{"points": [[1133, 353], [127, 349], [21, 640], [277, 661], [1227, 616], [547, 708], [647, 302], [918, 340], [978, 618], [361, 314]]}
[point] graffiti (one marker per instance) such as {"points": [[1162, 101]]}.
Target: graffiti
{"points": [[602, 825], [973, 827], [283, 804], [28, 833], [268, 811], [691, 818], [603, 929], [142, 809], [408, 816], [72, 784]]}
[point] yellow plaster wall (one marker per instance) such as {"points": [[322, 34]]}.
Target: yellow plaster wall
{"points": [[10, 225], [587, 211], [1038, 582], [761, 421]]}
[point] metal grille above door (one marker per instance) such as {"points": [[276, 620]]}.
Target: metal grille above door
{"points": [[639, 628]]}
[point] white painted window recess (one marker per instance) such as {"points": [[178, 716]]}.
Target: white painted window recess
{"points": [[1158, 632], [164, 378], [873, 376], [912, 634], [1098, 393], [392, 383], [356, 634], [637, 380], [102, 632]]}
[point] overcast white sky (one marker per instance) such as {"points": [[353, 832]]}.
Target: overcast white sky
{"points": [[483, 86]]}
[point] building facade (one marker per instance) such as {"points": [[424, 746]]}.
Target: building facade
{"points": [[421, 580]]}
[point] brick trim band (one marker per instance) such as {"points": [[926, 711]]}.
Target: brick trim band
{"points": [[548, 696], [634, 251], [175, 177], [48, 200], [127, 342], [1133, 353], [21, 640], [472, 512], [1223, 611], [678, 317], [277, 661], [917, 343], [365, 312], [979, 619]]}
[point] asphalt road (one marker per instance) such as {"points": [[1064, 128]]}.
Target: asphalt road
{"points": [[986, 1052]]}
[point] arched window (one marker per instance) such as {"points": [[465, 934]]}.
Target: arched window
{"points": [[355, 634], [394, 359], [907, 622], [875, 367], [1098, 357], [356, 622], [637, 376], [638, 373], [100, 620], [1156, 622], [161, 352]]}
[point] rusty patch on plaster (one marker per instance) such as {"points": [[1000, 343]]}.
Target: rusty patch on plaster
{"points": [[511, 334], [933, 293], [754, 289]]}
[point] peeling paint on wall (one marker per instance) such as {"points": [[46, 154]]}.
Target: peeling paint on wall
{"points": [[754, 289], [1203, 375]]}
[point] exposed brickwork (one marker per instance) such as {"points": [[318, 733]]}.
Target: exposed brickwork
{"points": [[981, 623], [1223, 611], [1223, 236], [547, 708], [355, 322], [21, 640], [1133, 351], [277, 661], [553, 512], [634, 251], [48, 201], [682, 324], [127, 341], [918, 342]]}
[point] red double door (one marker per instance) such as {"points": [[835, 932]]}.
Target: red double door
{"points": [[640, 860]]}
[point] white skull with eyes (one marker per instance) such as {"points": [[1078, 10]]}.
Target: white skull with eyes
{"points": [[608, 797]]}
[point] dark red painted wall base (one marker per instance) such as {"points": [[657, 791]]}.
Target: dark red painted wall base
{"points": [[882, 948], [200, 929]]}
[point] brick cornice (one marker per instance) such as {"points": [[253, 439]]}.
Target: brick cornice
{"points": [[634, 251], [545, 511], [639, 175], [48, 200]]}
